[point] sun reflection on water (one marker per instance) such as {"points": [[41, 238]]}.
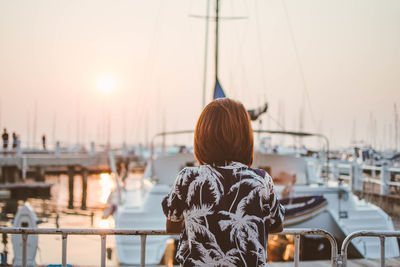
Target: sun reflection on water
{"points": [[107, 186], [106, 223]]}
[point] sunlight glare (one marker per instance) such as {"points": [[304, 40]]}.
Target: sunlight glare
{"points": [[107, 186], [106, 84], [106, 223]]}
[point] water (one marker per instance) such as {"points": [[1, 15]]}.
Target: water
{"points": [[82, 250]]}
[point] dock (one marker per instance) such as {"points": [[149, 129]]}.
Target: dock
{"points": [[379, 185], [390, 262], [17, 168]]}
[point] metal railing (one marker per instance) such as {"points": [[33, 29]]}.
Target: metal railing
{"points": [[143, 234], [381, 175], [380, 234]]}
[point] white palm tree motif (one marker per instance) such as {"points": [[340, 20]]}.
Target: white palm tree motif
{"points": [[180, 179], [194, 222], [243, 227], [252, 179], [213, 256], [234, 166], [212, 178]]}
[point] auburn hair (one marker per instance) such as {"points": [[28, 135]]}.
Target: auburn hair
{"points": [[223, 134]]}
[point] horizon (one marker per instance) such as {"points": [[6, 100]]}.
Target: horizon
{"points": [[73, 70]]}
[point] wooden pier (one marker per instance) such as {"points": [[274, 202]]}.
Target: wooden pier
{"points": [[16, 168]]}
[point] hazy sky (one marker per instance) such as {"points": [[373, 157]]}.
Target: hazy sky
{"points": [[53, 53]]}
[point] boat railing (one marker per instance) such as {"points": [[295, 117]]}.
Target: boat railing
{"points": [[379, 234], [103, 233], [381, 175]]}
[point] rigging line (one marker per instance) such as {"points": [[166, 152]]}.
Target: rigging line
{"points": [[205, 55], [276, 121], [143, 98], [240, 57], [260, 50], [235, 60], [299, 62]]}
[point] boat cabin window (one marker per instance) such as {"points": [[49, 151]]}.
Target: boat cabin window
{"points": [[165, 168], [24, 224], [285, 169]]}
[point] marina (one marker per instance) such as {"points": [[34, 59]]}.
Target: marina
{"points": [[290, 157], [94, 214]]}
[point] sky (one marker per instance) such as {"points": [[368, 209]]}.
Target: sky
{"points": [[323, 66]]}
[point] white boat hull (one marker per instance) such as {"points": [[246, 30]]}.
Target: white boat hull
{"points": [[149, 216], [354, 215], [25, 218]]}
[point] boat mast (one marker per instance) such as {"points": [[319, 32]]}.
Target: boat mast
{"points": [[206, 54], [396, 129], [216, 38]]}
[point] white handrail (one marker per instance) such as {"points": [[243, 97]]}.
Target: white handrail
{"points": [[380, 234], [103, 233], [336, 258]]}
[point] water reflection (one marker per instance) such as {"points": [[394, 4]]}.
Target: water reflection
{"points": [[105, 223]]}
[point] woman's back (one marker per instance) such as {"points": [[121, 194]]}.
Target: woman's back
{"points": [[227, 211]]}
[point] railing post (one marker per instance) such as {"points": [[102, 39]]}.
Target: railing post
{"points": [[343, 256], [103, 250], [385, 179], [24, 167], [58, 149], [64, 251], [356, 182], [24, 241], [382, 239], [339, 261], [92, 149], [296, 250], [143, 250], [335, 171]]}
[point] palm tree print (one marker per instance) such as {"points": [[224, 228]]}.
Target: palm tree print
{"points": [[214, 256], [208, 175], [226, 210], [194, 222], [243, 227]]}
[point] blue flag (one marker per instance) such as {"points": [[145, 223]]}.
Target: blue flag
{"points": [[218, 91]]}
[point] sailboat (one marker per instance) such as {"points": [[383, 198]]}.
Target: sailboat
{"points": [[312, 204], [331, 206]]}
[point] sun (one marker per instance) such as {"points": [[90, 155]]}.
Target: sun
{"points": [[106, 84]]}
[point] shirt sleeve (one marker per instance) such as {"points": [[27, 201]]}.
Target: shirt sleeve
{"points": [[173, 204], [274, 210]]}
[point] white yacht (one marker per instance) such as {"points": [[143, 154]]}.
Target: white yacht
{"points": [[344, 213], [140, 208], [312, 202]]}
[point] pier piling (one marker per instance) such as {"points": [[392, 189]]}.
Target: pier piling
{"points": [[40, 172], [9, 174], [71, 173], [85, 174]]}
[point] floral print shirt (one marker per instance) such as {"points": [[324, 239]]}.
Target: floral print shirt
{"points": [[227, 213]]}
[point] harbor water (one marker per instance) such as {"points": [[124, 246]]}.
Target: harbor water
{"points": [[85, 250]]}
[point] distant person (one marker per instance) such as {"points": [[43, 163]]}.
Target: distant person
{"points": [[44, 141], [5, 139], [224, 209], [15, 141]]}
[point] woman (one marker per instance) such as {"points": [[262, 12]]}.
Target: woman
{"points": [[224, 209]]}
